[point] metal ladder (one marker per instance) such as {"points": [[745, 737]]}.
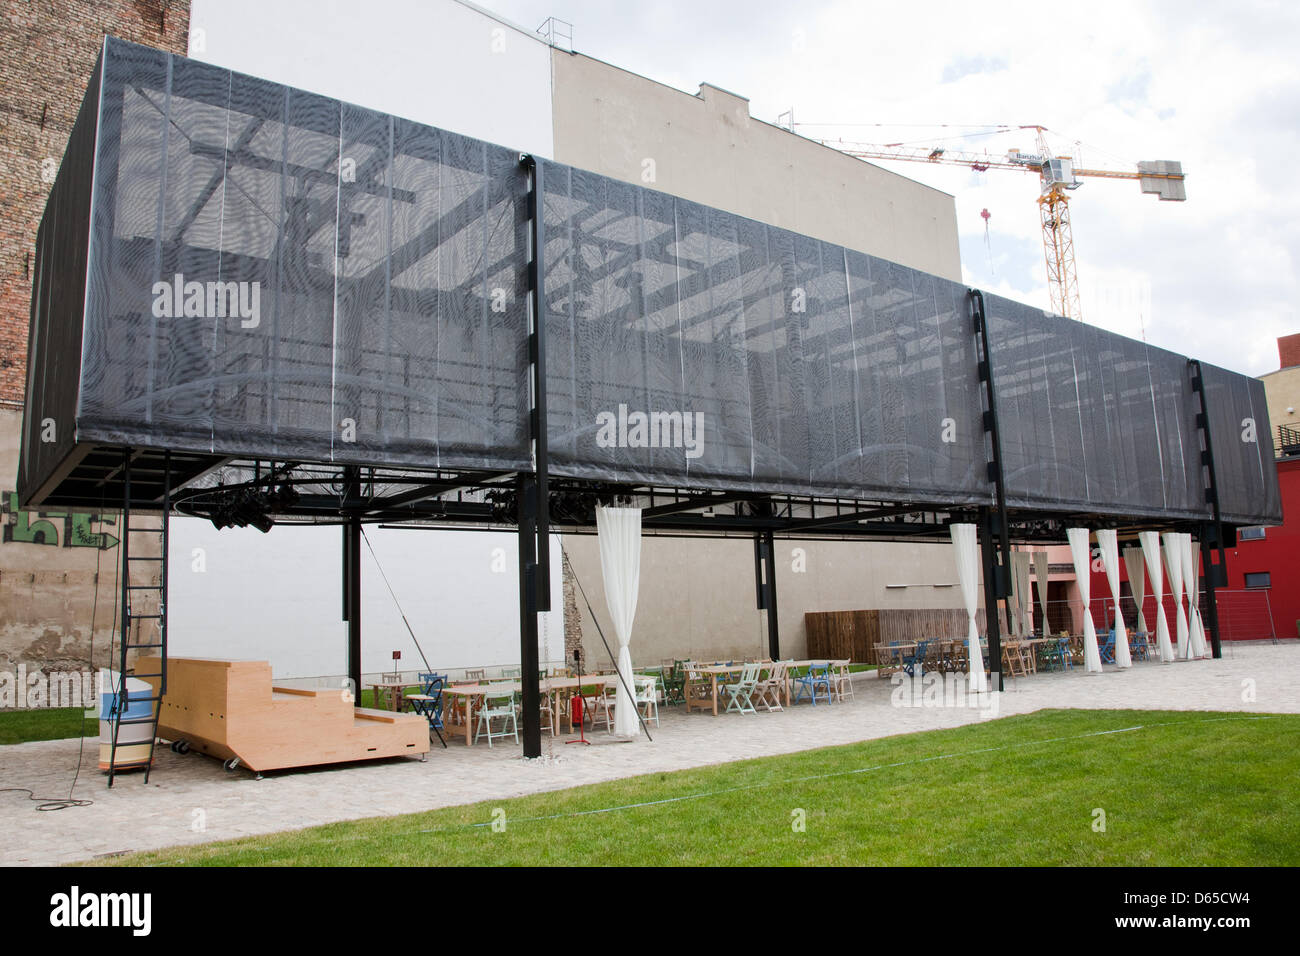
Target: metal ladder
{"points": [[141, 603]]}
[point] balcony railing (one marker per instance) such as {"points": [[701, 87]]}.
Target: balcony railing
{"points": [[1287, 442]]}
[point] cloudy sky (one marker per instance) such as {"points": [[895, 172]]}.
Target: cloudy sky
{"points": [[1213, 85]]}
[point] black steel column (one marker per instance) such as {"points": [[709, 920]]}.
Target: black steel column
{"points": [[532, 489], [352, 582], [995, 536], [531, 699], [992, 589], [765, 588], [1216, 575], [1211, 601]]}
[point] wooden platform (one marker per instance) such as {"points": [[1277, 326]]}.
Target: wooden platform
{"points": [[231, 709]]}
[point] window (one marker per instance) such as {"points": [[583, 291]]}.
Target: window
{"points": [[1260, 579], [1250, 534]]}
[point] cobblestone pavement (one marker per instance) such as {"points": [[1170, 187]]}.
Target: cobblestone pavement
{"points": [[133, 816]]}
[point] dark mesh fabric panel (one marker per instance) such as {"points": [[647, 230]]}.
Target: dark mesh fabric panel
{"points": [[807, 368], [270, 273], [59, 283], [280, 274], [1243, 446], [1092, 421]]}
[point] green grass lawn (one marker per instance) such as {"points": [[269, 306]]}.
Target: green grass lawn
{"points": [[1176, 789], [17, 726]]}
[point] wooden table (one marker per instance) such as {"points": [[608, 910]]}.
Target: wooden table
{"points": [[714, 671], [552, 686], [894, 652], [389, 694]]}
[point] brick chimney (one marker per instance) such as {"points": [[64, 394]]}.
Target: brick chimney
{"points": [[1288, 350]]}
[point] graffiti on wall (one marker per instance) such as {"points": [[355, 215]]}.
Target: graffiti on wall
{"points": [[54, 528]]}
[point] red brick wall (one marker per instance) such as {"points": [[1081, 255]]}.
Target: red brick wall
{"points": [[1288, 350], [47, 50]]}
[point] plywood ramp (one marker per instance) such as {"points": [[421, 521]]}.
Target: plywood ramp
{"points": [[231, 709]]}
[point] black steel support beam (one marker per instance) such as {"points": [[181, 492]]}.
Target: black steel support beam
{"points": [[1216, 575], [997, 556], [352, 587], [696, 502], [533, 491], [769, 582], [989, 554], [830, 521], [531, 700], [537, 357]]}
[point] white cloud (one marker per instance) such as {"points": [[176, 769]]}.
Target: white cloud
{"points": [[1213, 85]]}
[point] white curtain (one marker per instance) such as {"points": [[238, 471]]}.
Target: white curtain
{"points": [[1041, 571], [1082, 556], [1109, 543], [1150, 541], [1137, 581], [1190, 576], [1018, 599], [1020, 562], [619, 533], [966, 550], [1174, 568]]}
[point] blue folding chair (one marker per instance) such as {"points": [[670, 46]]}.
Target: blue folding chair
{"points": [[818, 677], [916, 660], [428, 703], [1108, 649]]}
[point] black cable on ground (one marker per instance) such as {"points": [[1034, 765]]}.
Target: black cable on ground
{"points": [[43, 803]]}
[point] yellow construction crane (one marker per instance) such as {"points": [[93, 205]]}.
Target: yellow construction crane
{"points": [[1058, 177]]}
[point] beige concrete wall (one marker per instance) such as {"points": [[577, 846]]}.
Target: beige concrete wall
{"points": [[48, 566], [1282, 390], [707, 148], [697, 596]]}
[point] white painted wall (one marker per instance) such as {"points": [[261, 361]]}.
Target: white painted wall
{"points": [[437, 62], [276, 597]]}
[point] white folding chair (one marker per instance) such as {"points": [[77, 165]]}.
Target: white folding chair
{"points": [[647, 697], [770, 688], [841, 680], [741, 693], [497, 706]]}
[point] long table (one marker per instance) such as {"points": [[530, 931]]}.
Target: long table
{"points": [[551, 686], [714, 671]]}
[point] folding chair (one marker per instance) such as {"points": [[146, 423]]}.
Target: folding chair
{"points": [[600, 705], [647, 696], [770, 688], [428, 703], [742, 692], [916, 660], [841, 680], [674, 683], [817, 678], [497, 705], [1108, 649]]}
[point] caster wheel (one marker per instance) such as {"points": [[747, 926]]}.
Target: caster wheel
{"points": [[175, 746], [231, 764], [182, 746]]}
